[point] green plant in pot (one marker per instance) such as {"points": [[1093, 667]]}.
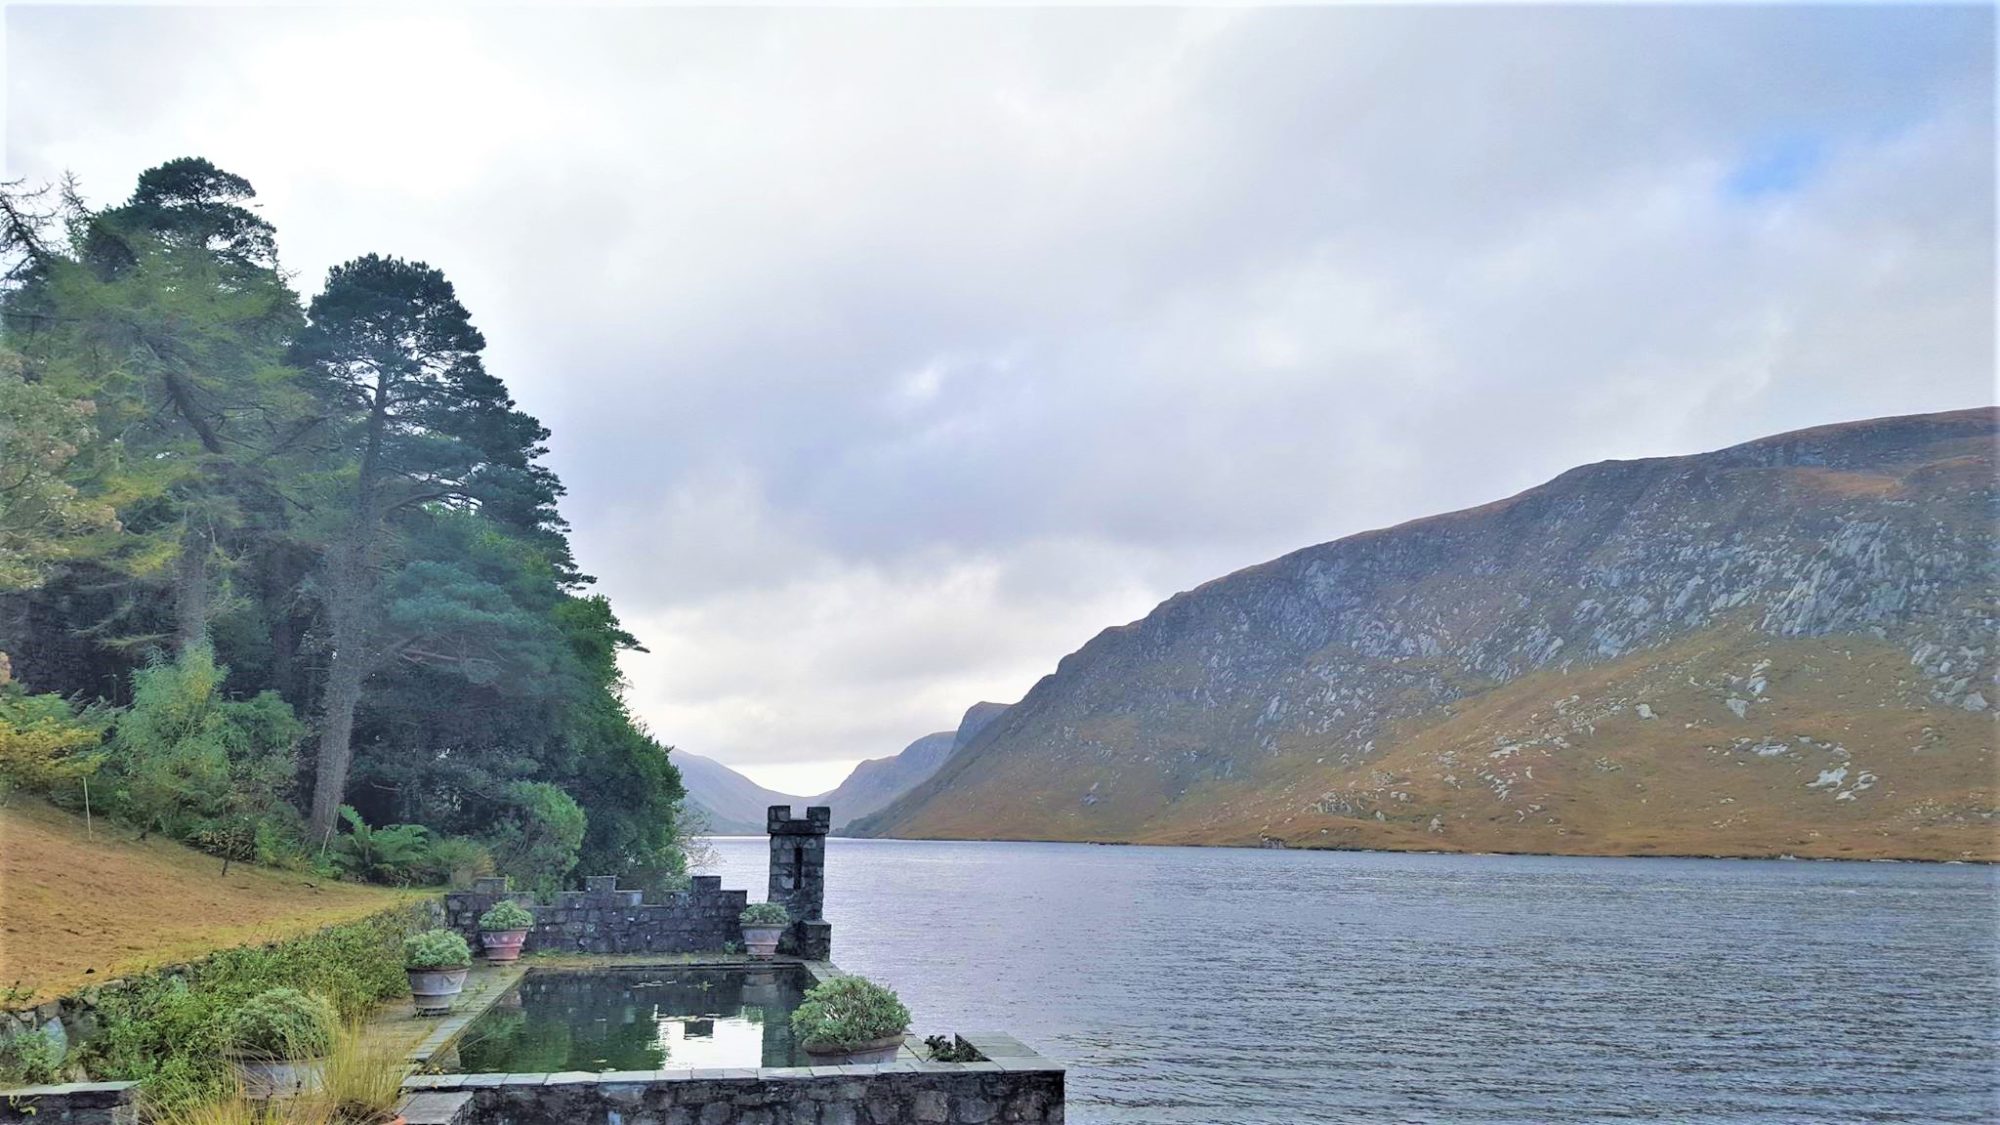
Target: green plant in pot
{"points": [[437, 961], [850, 1020], [504, 929], [763, 924], [277, 1041]]}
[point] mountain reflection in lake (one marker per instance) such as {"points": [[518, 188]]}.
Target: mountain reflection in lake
{"points": [[1206, 985]]}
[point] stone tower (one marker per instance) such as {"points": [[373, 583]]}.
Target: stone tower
{"points": [[798, 878]]}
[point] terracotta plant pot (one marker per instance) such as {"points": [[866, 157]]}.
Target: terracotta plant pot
{"points": [[262, 1077], [873, 1051], [436, 990], [762, 941], [502, 945]]}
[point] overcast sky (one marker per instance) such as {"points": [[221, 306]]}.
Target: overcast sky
{"points": [[892, 354]]}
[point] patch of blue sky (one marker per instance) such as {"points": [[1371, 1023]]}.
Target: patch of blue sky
{"points": [[1779, 165]]}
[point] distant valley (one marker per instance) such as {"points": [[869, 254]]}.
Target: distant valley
{"points": [[1781, 648], [730, 804]]}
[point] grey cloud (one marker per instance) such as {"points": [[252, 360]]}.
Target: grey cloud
{"points": [[891, 354]]}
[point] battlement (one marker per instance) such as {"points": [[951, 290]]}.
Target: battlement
{"points": [[778, 821]]}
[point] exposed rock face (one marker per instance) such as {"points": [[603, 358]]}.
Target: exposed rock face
{"points": [[1852, 566]]}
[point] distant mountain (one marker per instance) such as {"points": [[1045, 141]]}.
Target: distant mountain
{"points": [[734, 805], [1785, 647], [878, 781]]}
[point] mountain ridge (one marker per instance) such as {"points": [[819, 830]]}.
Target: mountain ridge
{"points": [[732, 804], [1325, 651]]}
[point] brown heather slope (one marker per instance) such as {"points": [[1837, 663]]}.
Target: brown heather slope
{"points": [[76, 910], [1808, 621]]}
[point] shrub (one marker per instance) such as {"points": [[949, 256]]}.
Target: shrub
{"points": [[185, 759], [847, 1012], [395, 854], [30, 1058], [506, 915], [436, 949], [167, 1030], [282, 1023], [765, 914], [43, 742], [456, 861], [538, 837]]}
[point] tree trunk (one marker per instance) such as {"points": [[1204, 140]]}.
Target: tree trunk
{"points": [[351, 578], [191, 590], [345, 672]]}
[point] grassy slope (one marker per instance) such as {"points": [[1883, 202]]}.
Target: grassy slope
{"points": [[1590, 777], [76, 910]]}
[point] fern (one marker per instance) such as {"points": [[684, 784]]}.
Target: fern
{"points": [[395, 854]]}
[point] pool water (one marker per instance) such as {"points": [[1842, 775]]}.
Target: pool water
{"points": [[638, 1019]]}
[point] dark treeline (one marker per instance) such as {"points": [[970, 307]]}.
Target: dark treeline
{"points": [[261, 559]]}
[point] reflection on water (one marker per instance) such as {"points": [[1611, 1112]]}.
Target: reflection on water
{"points": [[1250, 987], [637, 1019]]}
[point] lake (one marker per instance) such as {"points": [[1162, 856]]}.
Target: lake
{"points": [[1228, 985]]}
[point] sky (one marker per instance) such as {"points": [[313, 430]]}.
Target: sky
{"points": [[892, 354]]}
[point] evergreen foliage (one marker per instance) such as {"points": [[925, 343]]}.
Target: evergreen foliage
{"points": [[310, 551]]}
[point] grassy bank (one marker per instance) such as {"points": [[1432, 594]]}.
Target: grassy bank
{"points": [[80, 907]]}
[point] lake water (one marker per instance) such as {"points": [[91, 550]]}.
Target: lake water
{"points": [[1281, 987]]}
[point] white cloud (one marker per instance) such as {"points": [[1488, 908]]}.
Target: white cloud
{"points": [[890, 354]]}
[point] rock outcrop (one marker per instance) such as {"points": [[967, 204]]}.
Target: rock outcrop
{"points": [[1703, 654]]}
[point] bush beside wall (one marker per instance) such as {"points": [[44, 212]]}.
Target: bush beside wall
{"points": [[167, 1028]]}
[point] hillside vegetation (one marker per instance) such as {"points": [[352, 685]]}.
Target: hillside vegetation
{"points": [[1781, 648], [285, 577], [80, 907]]}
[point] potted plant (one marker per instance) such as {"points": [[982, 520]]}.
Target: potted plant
{"points": [[437, 961], [503, 929], [277, 1040], [850, 1020], [763, 924]]}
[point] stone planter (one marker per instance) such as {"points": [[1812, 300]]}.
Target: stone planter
{"points": [[436, 990], [762, 941], [502, 945], [262, 1077], [873, 1051]]}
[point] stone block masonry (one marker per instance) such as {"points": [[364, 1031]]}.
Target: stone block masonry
{"points": [[74, 1103], [1013, 1085], [798, 878], [603, 919], [600, 918]]}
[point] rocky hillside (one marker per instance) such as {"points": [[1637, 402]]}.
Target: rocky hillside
{"points": [[1785, 647]]}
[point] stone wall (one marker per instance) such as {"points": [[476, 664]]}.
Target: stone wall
{"points": [[603, 919], [1012, 1084], [76, 1103], [70, 1021]]}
